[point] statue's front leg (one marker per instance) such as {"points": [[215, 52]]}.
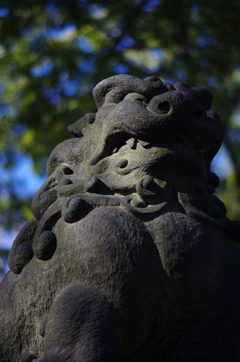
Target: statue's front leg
{"points": [[109, 313], [81, 326]]}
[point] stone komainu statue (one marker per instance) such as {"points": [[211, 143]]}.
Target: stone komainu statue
{"points": [[129, 257]]}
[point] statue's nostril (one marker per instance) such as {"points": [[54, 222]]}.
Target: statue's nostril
{"points": [[164, 107], [66, 170]]}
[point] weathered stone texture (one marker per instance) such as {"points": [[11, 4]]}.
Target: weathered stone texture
{"points": [[129, 256]]}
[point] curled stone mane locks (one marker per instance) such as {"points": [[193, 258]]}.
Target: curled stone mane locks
{"points": [[129, 256]]}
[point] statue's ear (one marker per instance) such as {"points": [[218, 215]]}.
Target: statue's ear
{"points": [[77, 127], [66, 154]]}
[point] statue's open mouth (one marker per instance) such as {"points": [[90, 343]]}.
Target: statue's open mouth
{"points": [[118, 141], [134, 142]]}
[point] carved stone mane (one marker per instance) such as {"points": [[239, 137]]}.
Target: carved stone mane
{"points": [[129, 256]]}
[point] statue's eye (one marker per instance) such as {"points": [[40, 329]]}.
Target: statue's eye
{"points": [[136, 96], [114, 97], [160, 104]]}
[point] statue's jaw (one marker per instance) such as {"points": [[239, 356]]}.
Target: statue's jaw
{"points": [[123, 154]]}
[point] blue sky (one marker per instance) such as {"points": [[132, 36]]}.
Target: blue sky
{"points": [[27, 183]]}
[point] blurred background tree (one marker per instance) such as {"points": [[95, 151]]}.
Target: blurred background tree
{"points": [[52, 53]]}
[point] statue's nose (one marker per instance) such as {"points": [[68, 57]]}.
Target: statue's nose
{"points": [[176, 104]]}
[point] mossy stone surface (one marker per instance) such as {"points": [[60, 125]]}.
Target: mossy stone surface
{"points": [[129, 256]]}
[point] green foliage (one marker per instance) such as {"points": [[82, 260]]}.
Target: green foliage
{"points": [[54, 52]]}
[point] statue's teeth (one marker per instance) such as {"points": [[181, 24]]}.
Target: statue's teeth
{"points": [[115, 149], [144, 143], [132, 143]]}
